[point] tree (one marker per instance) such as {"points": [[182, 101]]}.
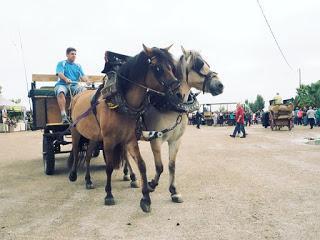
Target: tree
{"points": [[257, 105], [0, 89], [308, 95], [222, 109], [16, 101]]}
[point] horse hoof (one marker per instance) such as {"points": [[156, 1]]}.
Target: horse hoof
{"points": [[134, 184], [145, 205], [176, 198], [73, 176], [152, 186], [89, 186], [109, 201], [126, 177]]}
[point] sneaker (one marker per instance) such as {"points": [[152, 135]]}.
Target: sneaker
{"points": [[232, 136], [65, 119], [244, 136]]}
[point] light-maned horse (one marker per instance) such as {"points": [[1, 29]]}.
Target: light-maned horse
{"points": [[193, 72], [151, 69]]}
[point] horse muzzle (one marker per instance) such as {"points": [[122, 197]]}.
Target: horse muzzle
{"points": [[215, 87]]}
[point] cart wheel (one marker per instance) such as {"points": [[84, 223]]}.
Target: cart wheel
{"points": [[48, 155], [272, 125], [70, 161], [290, 125]]}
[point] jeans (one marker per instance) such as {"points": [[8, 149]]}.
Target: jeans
{"points": [[239, 127], [75, 89], [311, 122]]}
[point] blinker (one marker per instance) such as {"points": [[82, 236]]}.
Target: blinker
{"points": [[198, 65]]}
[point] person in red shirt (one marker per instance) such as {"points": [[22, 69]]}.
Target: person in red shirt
{"points": [[240, 122]]}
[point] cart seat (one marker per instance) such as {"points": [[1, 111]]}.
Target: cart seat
{"points": [[43, 92]]}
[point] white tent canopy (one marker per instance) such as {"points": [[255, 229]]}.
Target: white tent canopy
{"points": [[6, 103]]}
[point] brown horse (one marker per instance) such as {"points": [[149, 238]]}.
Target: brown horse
{"points": [[149, 71], [193, 72]]}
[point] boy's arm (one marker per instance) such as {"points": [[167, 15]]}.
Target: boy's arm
{"points": [[60, 73], [63, 77], [83, 77]]}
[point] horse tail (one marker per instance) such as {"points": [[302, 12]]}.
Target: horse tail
{"points": [[118, 158]]}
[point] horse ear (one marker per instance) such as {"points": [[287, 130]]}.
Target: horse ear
{"points": [[147, 50], [183, 50], [168, 48]]}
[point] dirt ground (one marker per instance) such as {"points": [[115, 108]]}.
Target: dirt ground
{"points": [[266, 186]]}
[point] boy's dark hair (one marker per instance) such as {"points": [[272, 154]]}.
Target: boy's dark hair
{"points": [[70, 49]]}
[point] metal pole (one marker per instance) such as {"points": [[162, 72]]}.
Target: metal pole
{"points": [[299, 77]]}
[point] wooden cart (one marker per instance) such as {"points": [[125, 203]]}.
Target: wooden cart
{"points": [[46, 116]]}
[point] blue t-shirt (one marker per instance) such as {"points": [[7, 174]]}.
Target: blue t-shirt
{"points": [[73, 71]]}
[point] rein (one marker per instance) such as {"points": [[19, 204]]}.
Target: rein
{"points": [[142, 86]]}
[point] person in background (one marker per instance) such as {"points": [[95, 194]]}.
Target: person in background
{"points": [[232, 118], [295, 114], [277, 99], [239, 122], [69, 74], [305, 117], [318, 116], [300, 116], [215, 118], [198, 119], [311, 114]]}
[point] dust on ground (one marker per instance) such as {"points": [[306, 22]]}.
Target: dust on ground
{"points": [[266, 186]]}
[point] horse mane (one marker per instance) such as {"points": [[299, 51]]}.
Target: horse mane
{"points": [[180, 69], [134, 69], [137, 67]]}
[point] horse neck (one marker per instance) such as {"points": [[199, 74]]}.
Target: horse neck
{"points": [[135, 95], [185, 89]]}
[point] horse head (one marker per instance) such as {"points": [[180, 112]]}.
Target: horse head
{"points": [[161, 73], [197, 73]]}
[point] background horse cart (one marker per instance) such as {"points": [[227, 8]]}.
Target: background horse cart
{"points": [[46, 116], [281, 115]]}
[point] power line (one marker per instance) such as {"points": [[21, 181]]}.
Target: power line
{"points": [[273, 35], [24, 66]]}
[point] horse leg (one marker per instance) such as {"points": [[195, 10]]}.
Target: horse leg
{"points": [[145, 202], [108, 158], [91, 147], [126, 176], [173, 150], [134, 182], [156, 150], [75, 151]]}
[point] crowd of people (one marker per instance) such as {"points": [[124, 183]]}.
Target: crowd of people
{"points": [[226, 118], [307, 116], [301, 116]]}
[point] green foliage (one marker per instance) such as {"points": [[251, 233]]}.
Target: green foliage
{"points": [[257, 105], [308, 95], [0, 89], [16, 101], [222, 109]]}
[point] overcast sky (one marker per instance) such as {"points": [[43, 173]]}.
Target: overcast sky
{"points": [[231, 35]]}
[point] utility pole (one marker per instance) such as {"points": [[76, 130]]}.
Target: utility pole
{"points": [[299, 77]]}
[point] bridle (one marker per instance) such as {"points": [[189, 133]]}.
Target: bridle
{"points": [[197, 66], [158, 72]]}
